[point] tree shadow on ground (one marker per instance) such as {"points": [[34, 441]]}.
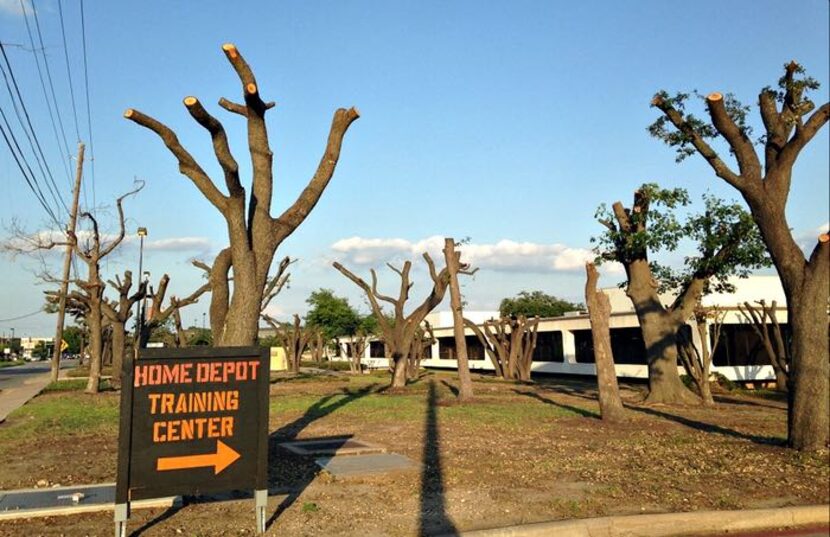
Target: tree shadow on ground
{"points": [[293, 472], [451, 388], [433, 519], [708, 427], [575, 409], [733, 400], [169, 512]]}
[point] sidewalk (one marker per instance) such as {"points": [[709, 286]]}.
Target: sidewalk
{"points": [[670, 524], [15, 397]]}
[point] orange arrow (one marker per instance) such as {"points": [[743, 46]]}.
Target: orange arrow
{"points": [[224, 457]]}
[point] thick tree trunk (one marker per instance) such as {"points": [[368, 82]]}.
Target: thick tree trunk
{"points": [[399, 373], [664, 384], [659, 330], [599, 311], [810, 371], [806, 286], [465, 392]]}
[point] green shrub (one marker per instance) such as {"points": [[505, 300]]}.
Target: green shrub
{"points": [[724, 382], [329, 365]]}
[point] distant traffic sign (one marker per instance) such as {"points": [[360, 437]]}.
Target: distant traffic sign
{"points": [[194, 421]]}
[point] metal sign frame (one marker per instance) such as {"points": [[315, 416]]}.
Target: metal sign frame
{"points": [[215, 366]]}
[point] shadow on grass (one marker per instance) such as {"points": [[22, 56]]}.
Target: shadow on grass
{"points": [[295, 472], [451, 388], [575, 409], [708, 427], [433, 519], [734, 400]]}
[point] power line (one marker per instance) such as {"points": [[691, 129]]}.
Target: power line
{"points": [[69, 71], [32, 143], [52, 89], [32, 182], [56, 191], [22, 316], [88, 113]]}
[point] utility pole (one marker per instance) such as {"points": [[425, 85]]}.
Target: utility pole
{"points": [[67, 262]]}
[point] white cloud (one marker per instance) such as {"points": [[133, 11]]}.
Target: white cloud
{"points": [[178, 244], [807, 239], [505, 255], [13, 7], [36, 240]]}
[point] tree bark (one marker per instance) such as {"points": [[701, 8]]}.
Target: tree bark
{"points": [[465, 381], [599, 312], [96, 343], [118, 345], [659, 327]]}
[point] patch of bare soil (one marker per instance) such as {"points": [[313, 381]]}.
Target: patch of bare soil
{"points": [[519, 454]]}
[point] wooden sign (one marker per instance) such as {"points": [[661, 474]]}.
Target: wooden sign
{"points": [[193, 421]]}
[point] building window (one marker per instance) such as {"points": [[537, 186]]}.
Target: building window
{"points": [[446, 348], [549, 347], [626, 343], [377, 349], [739, 345]]}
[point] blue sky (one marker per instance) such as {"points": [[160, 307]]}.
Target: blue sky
{"points": [[498, 121]]}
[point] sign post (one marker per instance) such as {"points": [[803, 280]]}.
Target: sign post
{"points": [[193, 421]]}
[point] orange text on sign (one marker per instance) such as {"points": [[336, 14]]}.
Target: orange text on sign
{"points": [[192, 429], [188, 403], [186, 373]]}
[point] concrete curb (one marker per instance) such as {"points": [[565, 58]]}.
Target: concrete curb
{"points": [[669, 524]]}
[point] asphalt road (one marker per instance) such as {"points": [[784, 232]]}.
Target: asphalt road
{"points": [[12, 377]]}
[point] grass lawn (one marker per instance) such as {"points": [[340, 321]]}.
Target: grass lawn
{"points": [[520, 453], [10, 363]]}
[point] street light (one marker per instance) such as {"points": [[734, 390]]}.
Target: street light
{"points": [[141, 232]]}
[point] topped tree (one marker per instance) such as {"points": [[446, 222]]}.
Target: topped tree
{"points": [[254, 234], [791, 121]]}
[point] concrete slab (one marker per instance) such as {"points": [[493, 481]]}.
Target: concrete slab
{"points": [[69, 500], [332, 446], [356, 465]]}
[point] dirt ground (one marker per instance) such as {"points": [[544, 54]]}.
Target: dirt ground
{"points": [[520, 453]]}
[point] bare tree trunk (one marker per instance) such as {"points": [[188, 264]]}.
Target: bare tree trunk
{"points": [[357, 348], [659, 327], [809, 419], [599, 312], [96, 344], [465, 392], [118, 346], [399, 374], [760, 318], [698, 363]]}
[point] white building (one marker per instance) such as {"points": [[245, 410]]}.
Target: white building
{"points": [[564, 344], [28, 344]]}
